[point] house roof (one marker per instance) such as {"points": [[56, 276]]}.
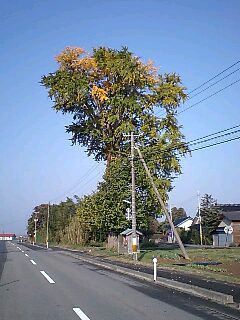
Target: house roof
{"points": [[232, 215], [229, 207], [7, 235], [179, 221], [127, 232]]}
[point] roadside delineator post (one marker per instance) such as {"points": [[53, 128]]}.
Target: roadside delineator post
{"points": [[154, 269]]}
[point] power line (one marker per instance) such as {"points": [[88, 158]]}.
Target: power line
{"points": [[214, 77], [212, 134], [92, 169], [92, 178], [200, 86], [200, 140], [214, 144], [210, 96], [228, 75], [209, 139]]}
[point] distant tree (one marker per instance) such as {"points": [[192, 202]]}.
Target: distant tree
{"points": [[60, 215], [210, 214], [178, 213]]}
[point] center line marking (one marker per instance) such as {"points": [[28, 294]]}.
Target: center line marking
{"points": [[33, 262], [26, 255], [80, 313], [47, 277]]}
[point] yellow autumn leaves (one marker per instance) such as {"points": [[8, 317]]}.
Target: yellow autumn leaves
{"points": [[72, 59], [99, 94]]}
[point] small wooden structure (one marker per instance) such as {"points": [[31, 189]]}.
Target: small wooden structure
{"points": [[125, 241]]}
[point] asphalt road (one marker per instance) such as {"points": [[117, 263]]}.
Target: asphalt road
{"points": [[196, 280], [39, 284]]}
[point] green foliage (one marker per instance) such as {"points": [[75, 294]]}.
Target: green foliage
{"points": [[59, 218], [210, 214], [178, 213], [191, 236], [111, 92]]}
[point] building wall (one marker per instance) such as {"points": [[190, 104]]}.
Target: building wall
{"points": [[6, 238], [236, 232], [185, 225], [222, 240]]}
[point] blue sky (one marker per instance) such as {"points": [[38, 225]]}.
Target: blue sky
{"points": [[196, 39]]}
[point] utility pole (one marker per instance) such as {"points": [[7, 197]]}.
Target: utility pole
{"points": [[47, 235], [35, 228], [200, 219], [134, 233], [163, 205]]}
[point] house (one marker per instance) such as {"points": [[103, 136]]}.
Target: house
{"points": [[182, 223], [230, 218], [7, 236]]}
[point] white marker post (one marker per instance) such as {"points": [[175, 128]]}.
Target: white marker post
{"points": [[154, 269]]}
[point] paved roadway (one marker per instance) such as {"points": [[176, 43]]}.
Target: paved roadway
{"points": [[39, 284]]}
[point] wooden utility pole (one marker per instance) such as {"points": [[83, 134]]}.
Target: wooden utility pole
{"points": [[163, 205]]}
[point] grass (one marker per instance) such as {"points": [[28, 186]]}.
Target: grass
{"points": [[226, 257], [168, 258]]}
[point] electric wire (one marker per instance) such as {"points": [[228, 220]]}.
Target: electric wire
{"points": [[92, 169], [213, 84], [203, 84], [214, 144], [200, 141], [209, 139], [210, 96], [209, 135], [214, 77]]}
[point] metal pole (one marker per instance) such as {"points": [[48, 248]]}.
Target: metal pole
{"points": [[163, 205], [200, 219], [154, 269], [47, 224], [35, 231], [134, 234]]}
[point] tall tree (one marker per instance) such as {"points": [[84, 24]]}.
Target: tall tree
{"points": [[110, 93], [210, 214]]}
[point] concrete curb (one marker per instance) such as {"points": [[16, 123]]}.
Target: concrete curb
{"points": [[218, 297]]}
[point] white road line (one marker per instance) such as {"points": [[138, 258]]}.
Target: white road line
{"points": [[47, 277], [18, 248], [22, 251], [26, 255], [80, 313], [33, 262]]}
